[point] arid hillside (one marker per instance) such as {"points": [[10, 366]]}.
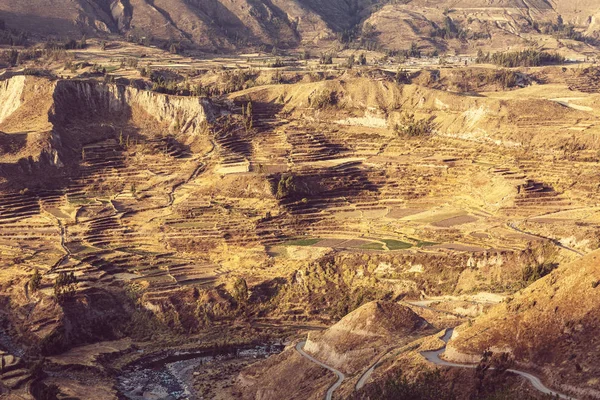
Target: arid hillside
{"points": [[549, 327], [243, 24], [271, 226]]}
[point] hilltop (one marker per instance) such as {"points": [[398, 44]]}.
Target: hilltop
{"points": [[352, 344]]}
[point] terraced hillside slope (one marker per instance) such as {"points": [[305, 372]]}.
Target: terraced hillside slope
{"points": [[143, 233]]}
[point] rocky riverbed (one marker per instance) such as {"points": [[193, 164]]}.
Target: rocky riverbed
{"points": [[179, 376]]}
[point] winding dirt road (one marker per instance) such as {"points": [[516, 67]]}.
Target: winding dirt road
{"points": [[512, 226], [434, 357], [340, 375]]}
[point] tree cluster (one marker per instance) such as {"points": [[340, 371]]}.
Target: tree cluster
{"points": [[524, 58]]}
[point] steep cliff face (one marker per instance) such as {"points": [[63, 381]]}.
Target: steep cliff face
{"points": [[10, 96], [89, 100], [45, 123]]}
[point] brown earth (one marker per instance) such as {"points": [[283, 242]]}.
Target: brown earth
{"points": [[550, 327], [241, 24]]}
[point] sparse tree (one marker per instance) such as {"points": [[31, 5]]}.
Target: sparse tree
{"points": [[402, 76], [411, 127], [414, 50], [248, 116], [239, 291], [350, 62], [285, 186], [35, 281], [362, 59], [65, 286], [83, 42], [174, 48], [326, 59]]}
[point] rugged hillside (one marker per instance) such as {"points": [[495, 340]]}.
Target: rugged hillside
{"points": [[239, 24], [211, 25], [351, 343], [37, 118], [551, 326], [141, 208]]}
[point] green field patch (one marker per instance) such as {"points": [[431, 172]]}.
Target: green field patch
{"points": [[396, 244], [302, 242], [79, 200], [421, 243], [372, 246]]}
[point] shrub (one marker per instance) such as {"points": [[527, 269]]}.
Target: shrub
{"points": [[322, 99], [145, 71], [410, 126], [326, 59], [449, 31], [35, 282], [131, 62], [239, 291], [402, 76], [285, 187], [137, 35], [350, 62], [414, 50], [278, 63], [160, 85], [234, 81], [65, 286], [396, 385], [45, 392], [540, 261], [561, 30], [362, 59], [11, 37]]}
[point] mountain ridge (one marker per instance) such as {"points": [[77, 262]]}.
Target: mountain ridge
{"points": [[218, 25]]}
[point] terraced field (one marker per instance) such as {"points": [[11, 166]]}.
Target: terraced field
{"points": [[187, 216]]}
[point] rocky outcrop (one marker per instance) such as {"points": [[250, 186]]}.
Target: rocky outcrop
{"points": [[351, 344], [90, 100], [47, 122], [10, 96]]}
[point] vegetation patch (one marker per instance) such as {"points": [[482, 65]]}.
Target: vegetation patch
{"points": [[372, 246], [303, 242], [424, 243], [323, 99], [412, 127], [396, 244], [524, 58]]}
